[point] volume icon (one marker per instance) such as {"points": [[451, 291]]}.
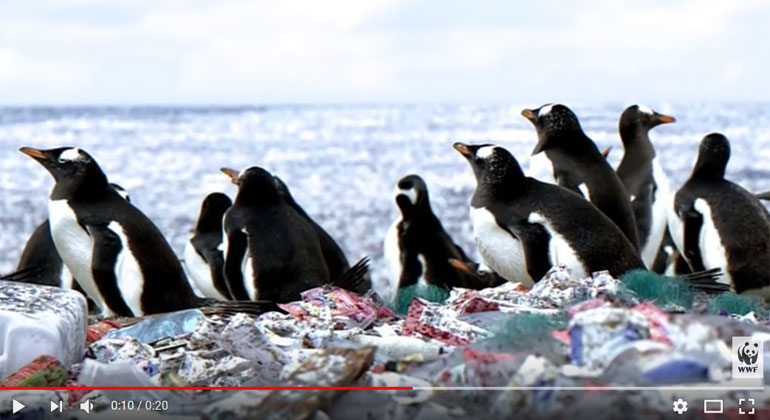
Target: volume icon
{"points": [[87, 406]]}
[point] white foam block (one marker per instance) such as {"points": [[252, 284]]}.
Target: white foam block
{"points": [[37, 320]]}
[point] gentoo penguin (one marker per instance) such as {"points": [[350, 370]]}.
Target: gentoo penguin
{"points": [[523, 226], [116, 253], [717, 223], [271, 251], [579, 166], [417, 249], [335, 258], [203, 260], [41, 258], [643, 177]]}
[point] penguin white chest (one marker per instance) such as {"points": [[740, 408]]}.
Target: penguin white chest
{"points": [[660, 201], [392, 254], [75, 247], [712, 251], [500, 250], [199, 273], [559, 249], [128, 272]]}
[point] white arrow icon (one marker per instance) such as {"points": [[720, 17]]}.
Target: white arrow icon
{"points": [[55, 406], [17, 406]]}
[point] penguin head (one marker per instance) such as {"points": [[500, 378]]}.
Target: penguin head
{"points": [[713, 155], [121, 191], [411, 193], [554, 123], [255, 184], [70, 167], [491, 164], [641, 117], [216, 204]]}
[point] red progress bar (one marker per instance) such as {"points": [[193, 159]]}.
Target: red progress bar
{"points": [[208, 388]]}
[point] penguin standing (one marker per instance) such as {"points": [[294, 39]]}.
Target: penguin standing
{"points": [[718, 224], [116, 253], [523, 226], [579, 166], [643, 177], [271, 251], [335, 258], [418, 250], [42, 262], [203, 260]]}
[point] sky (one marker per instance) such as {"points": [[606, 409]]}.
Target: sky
{"points": [[382, 51]]}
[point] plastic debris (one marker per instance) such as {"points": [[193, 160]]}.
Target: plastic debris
{"points": [[156, 327], [39, 320], [563, 332], [43, 371]]}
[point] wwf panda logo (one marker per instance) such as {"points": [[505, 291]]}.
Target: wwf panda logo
{"points": [[748, 353]]}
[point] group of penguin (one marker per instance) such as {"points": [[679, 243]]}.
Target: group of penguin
{"points": [[262, 248], [577, 211]]}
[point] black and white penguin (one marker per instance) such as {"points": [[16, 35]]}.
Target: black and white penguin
{"points": [[204, 262], [116, 253], [335, 258], [40, 257], [523, 226], [418, 250], [643, 177], [716, 223], [271, 251], [579, 165]]}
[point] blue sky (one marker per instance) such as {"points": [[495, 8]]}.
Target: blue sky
{"points": [[341, 51]]}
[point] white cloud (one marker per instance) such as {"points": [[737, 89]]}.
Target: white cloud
{"points": [[346, 50]]}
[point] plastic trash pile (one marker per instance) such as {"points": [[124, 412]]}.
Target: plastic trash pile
{"points": [[562, 333]]}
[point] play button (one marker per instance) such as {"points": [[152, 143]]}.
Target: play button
{"points": [[17, 406]]}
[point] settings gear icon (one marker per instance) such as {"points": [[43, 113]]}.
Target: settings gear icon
{"points": [[680, 406]]}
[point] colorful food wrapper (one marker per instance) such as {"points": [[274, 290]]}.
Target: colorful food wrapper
{"points": [[439, 323]]}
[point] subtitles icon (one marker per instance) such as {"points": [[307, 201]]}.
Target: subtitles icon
{"points": [[713, 406]]}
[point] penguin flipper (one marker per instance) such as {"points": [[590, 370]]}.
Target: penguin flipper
{"points": [[356, 278], [535, 242], [237, 246], [706, 281], [106, 249], [693, 222], [763, 196], [210, 306], [24, 275]]}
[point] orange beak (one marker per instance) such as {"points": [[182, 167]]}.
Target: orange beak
{"points": [[233, 174], [529, 114], [665, 119], [33, 153], [459, 265], [462, 148]]}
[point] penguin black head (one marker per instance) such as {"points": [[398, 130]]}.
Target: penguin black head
{"points": [[411, 193], [554, 123], [713, 155], [71, 167], [255, 184], [491, 164], [640, 118], [213, 209], [644, 117], [215, 204]]}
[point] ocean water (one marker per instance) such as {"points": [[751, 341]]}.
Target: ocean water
{"points": [[340, 162]]}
